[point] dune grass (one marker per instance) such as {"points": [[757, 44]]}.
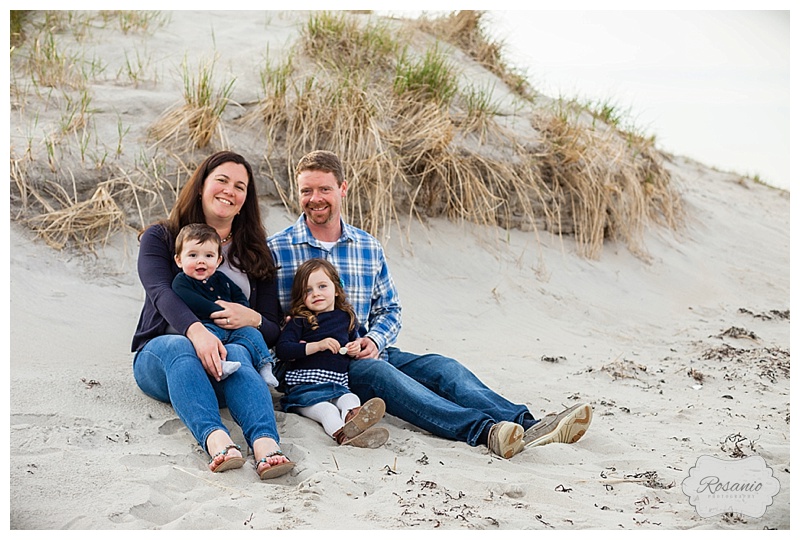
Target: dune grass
{"points": [[52, 66], [609, 186], [17, 22], [135, 22], [84, 223], [62, 185], [194, 122], [68, 221], [431, 77], [418, 136], [338, 40], [417, 140], [465, 29]]}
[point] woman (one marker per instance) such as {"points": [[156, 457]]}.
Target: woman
{"points": [[177, 360]]}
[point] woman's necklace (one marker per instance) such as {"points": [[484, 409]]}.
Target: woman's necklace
{"points": [[227, 238]]}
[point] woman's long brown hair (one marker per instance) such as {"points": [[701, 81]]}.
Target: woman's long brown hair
{"points": [[248, 252]]}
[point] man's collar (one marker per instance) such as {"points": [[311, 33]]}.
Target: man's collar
{"points": [[302, 234]]}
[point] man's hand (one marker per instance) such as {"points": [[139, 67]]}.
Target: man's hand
{"points": [[368, 348]]}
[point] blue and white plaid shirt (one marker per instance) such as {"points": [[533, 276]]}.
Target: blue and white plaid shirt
{"points": [[360, 260]]}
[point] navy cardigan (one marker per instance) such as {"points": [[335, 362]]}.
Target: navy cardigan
{"points": [[201, 295]]}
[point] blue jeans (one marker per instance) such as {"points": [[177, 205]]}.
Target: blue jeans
{"points": [[249, 338], [167, 369], [435, 393]]}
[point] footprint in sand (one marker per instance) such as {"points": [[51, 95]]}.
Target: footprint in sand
{"points": [[171, 427]]}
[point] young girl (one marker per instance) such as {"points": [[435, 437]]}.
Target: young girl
{"points": [[317, 342]]}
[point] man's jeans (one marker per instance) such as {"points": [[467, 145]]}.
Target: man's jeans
{"points": [[433, 392]]}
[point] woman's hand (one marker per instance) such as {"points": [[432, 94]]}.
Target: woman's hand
{"points": [[209, 349], [233, 316]]}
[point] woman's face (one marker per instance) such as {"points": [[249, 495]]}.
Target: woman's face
{"points": [[224, 191]]}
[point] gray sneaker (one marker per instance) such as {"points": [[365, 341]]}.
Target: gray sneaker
{"points": [[565, 427], [505, 439]]}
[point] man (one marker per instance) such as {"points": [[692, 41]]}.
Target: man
{"points": [[430, 391]]}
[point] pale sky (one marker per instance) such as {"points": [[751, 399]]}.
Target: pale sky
{"points": [[712, 85]]}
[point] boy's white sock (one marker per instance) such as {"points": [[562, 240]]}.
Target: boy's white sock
{"points": [[229, 368], [266, 374]]}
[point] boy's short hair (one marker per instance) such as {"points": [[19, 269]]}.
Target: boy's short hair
{"points": [[199, 232]]}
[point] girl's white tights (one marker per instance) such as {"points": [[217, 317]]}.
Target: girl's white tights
{"points": [[331, 413]]}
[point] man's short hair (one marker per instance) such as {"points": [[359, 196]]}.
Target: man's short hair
{"points": [[321, 160]]}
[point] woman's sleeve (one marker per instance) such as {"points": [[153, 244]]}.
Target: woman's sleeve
{"points": [[266, 303], [156, 272]]}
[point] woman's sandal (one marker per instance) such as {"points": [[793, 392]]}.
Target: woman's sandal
{"points": [[274, 471], [233, 462], [360, 418]]}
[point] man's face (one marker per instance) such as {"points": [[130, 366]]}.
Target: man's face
{"points": [[321, 197]]}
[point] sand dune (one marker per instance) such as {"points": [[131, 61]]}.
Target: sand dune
{"points": [[645, 343]]}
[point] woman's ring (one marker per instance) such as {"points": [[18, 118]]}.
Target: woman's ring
{"points": [[228, 320]]}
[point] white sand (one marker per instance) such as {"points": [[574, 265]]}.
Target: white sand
{"points": [[89, 451]]}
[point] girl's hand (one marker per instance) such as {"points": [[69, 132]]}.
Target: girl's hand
{"points": [[234, 316], [327, 344], [209, 349], [353, 348]]}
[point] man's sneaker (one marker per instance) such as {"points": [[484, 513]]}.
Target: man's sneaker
{"points": [[505, 439], [566, 427]]}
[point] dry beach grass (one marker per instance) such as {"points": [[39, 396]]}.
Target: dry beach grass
{"points": [[420, 136]]}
